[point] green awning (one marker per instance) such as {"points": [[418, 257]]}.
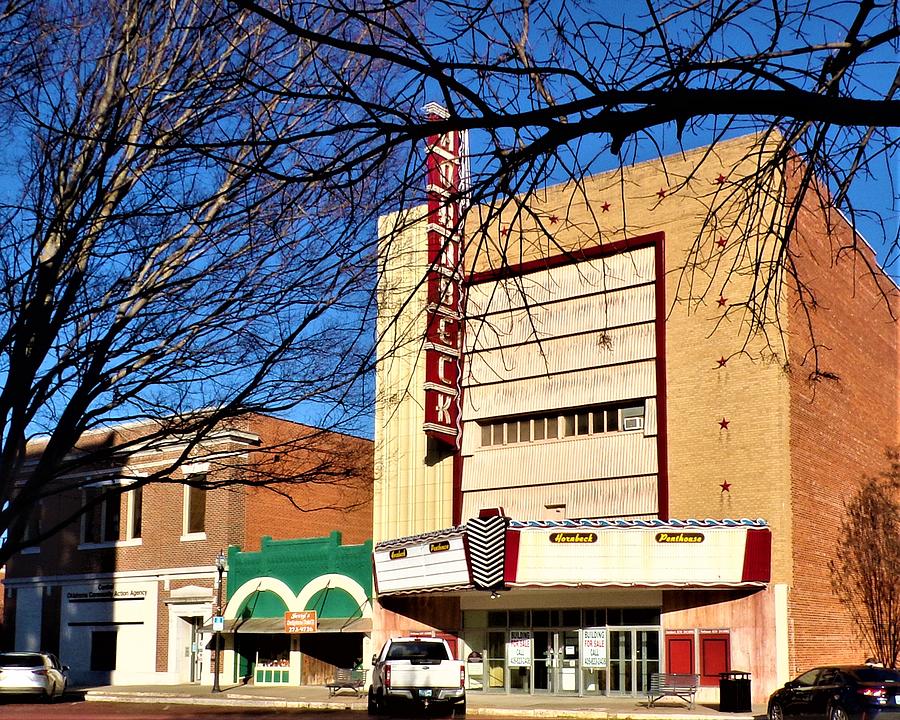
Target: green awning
{"points": [[276, 625]]}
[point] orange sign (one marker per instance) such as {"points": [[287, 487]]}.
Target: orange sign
{"points": [[303, 621]]}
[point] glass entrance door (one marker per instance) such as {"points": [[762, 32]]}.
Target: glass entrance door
{"points": [[633, 658], [556, 661], [621, 662], [544, 661]]}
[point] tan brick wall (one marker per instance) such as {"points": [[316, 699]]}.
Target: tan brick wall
{"points": [[841, 426], [751, 390]]}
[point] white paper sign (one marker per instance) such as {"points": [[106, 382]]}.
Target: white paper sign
{"points": [[593, 647], [518, 649]]}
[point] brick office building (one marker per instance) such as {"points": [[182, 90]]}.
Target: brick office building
{"points": [[123, 594], [644, 479]]}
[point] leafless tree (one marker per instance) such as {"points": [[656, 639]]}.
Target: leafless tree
{"points": [[553, 92], [864, 571], [159, 267]]}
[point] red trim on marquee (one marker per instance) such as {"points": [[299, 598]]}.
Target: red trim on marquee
{"points": [[758, 556], [511, 561]]}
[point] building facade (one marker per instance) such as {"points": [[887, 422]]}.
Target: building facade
{"points": [[296, 610], [124, 595], [602, 450]]}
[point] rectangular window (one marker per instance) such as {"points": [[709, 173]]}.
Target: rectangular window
{"points": [[195, 508], [103, 650], [136, 512], [583, 423], [606, 418], [112, 506], [485, 436], [612, 420], [33, 526], [552, 427], [633, 417], [103, 522], [524, 430], [92, 520]]}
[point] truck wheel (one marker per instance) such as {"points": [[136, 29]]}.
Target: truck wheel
{"points": [[459, 710], [371, 705]]}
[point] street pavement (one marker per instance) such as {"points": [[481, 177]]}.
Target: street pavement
{"points": [[479, 704]]}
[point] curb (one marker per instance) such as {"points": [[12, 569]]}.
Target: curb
{"points": [[242, 700]]}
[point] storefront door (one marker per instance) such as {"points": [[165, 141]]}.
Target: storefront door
{"points": [[633, 658], [556, 661]]}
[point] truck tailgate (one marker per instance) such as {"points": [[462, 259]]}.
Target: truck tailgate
{"points": [[405, 674]]}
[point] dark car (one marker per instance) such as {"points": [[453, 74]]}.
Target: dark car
{"points": [[841, 692]]}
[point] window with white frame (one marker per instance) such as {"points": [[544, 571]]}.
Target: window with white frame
{"points": [[194, 522], [103, 522], [33, 530]]}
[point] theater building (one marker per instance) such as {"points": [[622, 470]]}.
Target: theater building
{"points": [[593, 459]]}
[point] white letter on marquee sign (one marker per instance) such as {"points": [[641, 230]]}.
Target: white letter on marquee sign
{"points": [[443, 408], [444, 331], [443, 361]]}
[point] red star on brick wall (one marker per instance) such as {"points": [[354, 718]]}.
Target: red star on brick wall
{"points": [[605, 207], [722, 301], [726, 486], [554, 219], [661, 194], [721, 242], [721, 179], [723, 424], [722, 361]]}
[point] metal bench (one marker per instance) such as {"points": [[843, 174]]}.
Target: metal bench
{"points": [[682, 685], [347, 679]]}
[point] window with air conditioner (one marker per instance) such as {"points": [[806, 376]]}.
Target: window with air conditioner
{"points": [[633, 417]]}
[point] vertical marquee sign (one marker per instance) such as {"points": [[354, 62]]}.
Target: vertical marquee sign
{"points": [[445, 184]]}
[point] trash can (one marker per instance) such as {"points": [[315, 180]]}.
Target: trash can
{"points": [[734, 691]]}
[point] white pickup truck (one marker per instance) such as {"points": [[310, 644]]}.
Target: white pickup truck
{"points": [[417, 670]]}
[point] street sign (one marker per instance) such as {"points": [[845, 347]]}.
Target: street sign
{"points": [[301, 621], [218, 623]]}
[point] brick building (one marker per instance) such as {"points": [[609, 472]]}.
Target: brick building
{"points": [[619, 456], [122, 595]]}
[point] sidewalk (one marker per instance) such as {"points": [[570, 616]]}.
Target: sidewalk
{"points": [[479, 704]]}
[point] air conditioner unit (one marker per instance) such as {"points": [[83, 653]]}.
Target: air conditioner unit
{"points": [[633, 423]]}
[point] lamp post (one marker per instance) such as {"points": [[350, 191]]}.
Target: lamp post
{"points": [[220, 568]]}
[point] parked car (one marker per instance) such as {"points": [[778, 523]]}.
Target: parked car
{"points": [[420, 671], [840, 692], [32, 673]]}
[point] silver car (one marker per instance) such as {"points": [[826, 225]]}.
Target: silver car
{"points": [[32, 673]]}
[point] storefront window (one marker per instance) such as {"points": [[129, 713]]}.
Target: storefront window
{"points": [[518, 618], [567, 651]]}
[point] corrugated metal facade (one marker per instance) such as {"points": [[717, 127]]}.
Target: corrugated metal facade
{"points": [[413, 496], [569, 337], [632, 497]]}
